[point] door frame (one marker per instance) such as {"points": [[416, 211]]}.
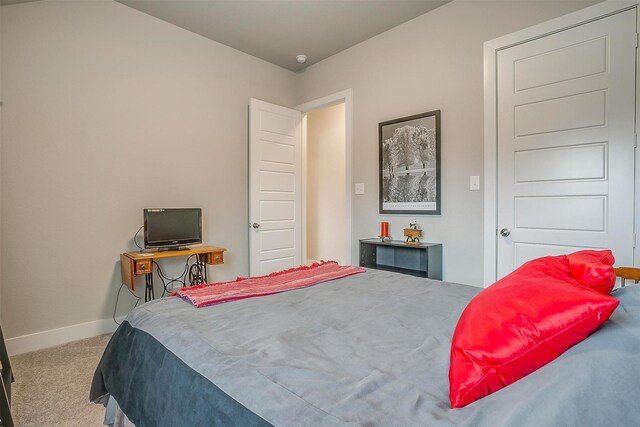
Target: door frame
{"points": [[491, 49], [345, 96]]}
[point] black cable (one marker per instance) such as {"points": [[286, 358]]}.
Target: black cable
{"points": [[178, 279], [164, 285], [162, 279], [115, 308], [135, 238]]}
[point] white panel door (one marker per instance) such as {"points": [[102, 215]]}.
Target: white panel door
{"points": [[275, 188], [566, 137]]}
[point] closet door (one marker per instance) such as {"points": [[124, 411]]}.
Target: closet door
{"points": [[566, 138]]}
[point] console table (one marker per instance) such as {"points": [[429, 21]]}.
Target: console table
{"points": [[422, 260], [134, 264]]}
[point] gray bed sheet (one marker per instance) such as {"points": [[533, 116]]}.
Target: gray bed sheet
{"points": [[373, 350]]}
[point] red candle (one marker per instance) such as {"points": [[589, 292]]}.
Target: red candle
{"points": [[384, 229]]}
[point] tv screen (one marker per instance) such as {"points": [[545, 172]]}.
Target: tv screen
{"points": [[172, 227]]}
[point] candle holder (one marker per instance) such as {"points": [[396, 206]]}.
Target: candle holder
{"points": [[384, 231]]}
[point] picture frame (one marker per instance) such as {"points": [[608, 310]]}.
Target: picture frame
{"points": [[409, 162]]}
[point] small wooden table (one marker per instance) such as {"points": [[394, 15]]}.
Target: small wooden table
{"points": [[134, 264], [420, 259]]}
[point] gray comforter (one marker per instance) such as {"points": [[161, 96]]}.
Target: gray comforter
{"points": [[370, 349]]}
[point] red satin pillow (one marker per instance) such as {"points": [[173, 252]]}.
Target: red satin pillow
{"points": [[518, 325], [593, 269]]}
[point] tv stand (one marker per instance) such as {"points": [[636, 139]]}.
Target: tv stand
{"points": [[134, 264]]}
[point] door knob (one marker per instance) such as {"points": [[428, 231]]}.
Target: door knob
{"points": [[505, 232], [255, 225]]}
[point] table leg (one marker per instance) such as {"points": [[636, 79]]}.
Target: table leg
{"points": [[149, 293], [200, 274], [203, 264]]}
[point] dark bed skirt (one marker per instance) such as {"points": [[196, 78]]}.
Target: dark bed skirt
{"points": [[144, 387]]}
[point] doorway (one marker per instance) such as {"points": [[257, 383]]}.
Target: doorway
{"points": [[328, 235], [325, 184]]}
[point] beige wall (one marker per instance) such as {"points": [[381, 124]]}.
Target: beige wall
{"points": [[326, 184], [432, 62], [107, 111]]}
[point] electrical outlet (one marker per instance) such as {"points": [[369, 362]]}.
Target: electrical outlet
{"points": [[360, 188]]}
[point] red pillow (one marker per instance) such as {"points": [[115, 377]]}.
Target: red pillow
{"points": [[593, 269], [518, 325]]}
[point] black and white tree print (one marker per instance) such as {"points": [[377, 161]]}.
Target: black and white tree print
{"points": [[409, 162]]}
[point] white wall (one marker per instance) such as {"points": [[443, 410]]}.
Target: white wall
{"points": [[107, 111], [432, 62], [326, 184]]}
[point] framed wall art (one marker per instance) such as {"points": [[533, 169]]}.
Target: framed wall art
{"points": [[410, 165]]}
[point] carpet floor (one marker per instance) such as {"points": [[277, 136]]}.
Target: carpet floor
{"points": [[52, 385]]}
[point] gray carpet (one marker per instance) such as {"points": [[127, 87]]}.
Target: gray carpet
{"points": [[52, 385]]}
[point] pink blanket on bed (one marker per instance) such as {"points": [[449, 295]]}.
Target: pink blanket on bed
{"points": [[281, 281]]}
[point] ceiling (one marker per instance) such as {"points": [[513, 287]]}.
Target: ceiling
{"points": [[278, 30]]}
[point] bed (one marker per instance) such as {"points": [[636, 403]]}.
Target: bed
{"points": [[369, 349]]}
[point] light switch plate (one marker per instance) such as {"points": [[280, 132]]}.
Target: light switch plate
{"points": [[360, 188], [474, 183]]}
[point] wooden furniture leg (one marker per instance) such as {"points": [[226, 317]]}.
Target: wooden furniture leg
{"points": [[627, 273]]}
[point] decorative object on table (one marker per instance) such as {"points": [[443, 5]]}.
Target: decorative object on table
{"points": [[413, 234], [384, 231], [410, 165]]}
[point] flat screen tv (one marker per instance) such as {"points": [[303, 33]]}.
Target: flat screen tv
{"points": [[172, 228]]}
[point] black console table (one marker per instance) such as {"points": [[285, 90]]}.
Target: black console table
{"points": [[422, 260]]}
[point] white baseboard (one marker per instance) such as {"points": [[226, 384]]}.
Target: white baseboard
{"points": [[53, 337]]}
